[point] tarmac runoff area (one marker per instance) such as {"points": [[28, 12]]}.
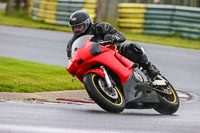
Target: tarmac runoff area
{"points": [[69, 97]]}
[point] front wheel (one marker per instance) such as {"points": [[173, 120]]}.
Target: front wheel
{"points": [[110, 99], [169, 101]]}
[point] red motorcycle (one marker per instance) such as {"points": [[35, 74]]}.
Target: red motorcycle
{"points": [[116, 83]]}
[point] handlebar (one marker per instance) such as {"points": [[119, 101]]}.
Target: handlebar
{"points": [[104, 42]]}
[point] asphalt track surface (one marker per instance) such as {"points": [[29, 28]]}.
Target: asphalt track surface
{"points": [[180, 66]]}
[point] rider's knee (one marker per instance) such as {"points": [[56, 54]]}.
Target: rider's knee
{"points": [[133, 52], [135, 48]]}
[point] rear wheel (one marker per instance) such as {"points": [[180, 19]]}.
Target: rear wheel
{"points": [[110, 99], [169, 101]]}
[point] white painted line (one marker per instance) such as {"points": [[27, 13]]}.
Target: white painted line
{"points": [[5, 128]]}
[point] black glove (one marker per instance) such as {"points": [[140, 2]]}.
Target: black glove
{"points": [[111, 38]]}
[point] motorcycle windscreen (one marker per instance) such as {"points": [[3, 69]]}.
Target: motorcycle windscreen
{"points": [[79, 42]]}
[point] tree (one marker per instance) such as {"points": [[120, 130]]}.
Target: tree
{"points": [[16, 5], [106, 9], [10, 6]]}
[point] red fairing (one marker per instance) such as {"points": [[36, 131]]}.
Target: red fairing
{"points": [[82, 61], [97, 71], [75, 67], [108, 58]]}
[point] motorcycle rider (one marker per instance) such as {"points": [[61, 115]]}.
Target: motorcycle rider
{"points": [[81, 24]]}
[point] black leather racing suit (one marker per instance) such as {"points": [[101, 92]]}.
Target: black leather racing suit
{"points": [[101, 31], [132, 51]]}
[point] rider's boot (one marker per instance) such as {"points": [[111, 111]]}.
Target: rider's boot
{"points": [[153, 71], [148, 66]]}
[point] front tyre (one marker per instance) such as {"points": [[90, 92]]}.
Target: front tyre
{"points": [[110, 99], [169, 101]]}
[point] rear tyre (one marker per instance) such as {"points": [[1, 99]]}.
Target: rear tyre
{"points": [[110, 99], [169, 103]]}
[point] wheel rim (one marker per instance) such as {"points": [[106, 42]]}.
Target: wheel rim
{"points": [[169, 94], [116, 98], [111, 92]]}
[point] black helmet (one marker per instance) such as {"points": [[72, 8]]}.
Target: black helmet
{"points": [[80, 22]]}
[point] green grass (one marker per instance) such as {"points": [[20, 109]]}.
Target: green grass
{"points": [[25, 76], [22, 20], [165, 40]]}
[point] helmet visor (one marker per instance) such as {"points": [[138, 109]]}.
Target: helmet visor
{"points": [[78, 28], [81, 28]]}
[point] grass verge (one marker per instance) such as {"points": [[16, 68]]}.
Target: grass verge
{"points": [[20, 19], [25, 76], [165, 40]]}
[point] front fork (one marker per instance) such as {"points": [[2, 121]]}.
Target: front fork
{"points": [[107, 79]]}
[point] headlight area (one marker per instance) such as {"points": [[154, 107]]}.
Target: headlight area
{"points": [[79, 62]]}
